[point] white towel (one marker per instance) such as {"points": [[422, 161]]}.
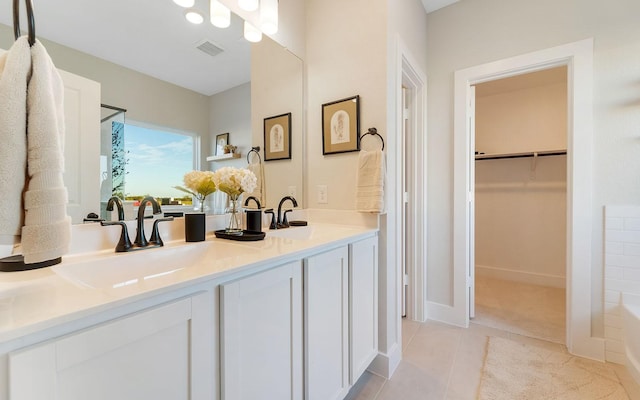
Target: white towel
{"points": [[260, 191], [370, 182], [47, 227], [15, 67]]}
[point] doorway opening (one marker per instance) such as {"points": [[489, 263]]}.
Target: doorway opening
{"points": [[519, 214], [578, 57]]}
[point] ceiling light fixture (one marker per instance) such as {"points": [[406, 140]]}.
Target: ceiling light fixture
{"points": [[269, 16], [251, 33], [194, 16], [248, 5], [220, 15], [185, 3]]}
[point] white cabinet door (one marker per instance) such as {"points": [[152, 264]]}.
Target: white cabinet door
{"points": [[326, 325], [161, 353], [261, 335], [363, 305]]}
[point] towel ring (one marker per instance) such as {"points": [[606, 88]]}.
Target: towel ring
{"points": [[374, 132], [256, 150], [30, 21]]}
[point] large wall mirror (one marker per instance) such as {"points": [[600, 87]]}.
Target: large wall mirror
{"points": [[194, 94]]}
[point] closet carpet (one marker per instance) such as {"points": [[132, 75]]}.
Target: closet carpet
{"points": [[521, 308]]}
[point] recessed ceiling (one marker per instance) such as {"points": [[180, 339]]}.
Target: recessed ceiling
{"points": [[148, 36]]}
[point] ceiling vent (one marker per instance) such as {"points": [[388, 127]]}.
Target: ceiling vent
{"points": [[210, 48]]}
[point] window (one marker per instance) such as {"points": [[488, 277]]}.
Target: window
{"points": [[150, 161]]}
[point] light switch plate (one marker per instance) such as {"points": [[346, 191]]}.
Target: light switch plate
{"points": [[322, 194]]}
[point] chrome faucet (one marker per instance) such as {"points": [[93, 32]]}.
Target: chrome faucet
{"points": [[282, 219], [118, 202], [124, 244]]}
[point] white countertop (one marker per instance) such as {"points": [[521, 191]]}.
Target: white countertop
{"points": [[84, 284]]}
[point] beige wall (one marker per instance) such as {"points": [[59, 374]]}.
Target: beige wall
{"points": [[277, 87], [532, 119], [520, 212], [146, 99], [470, 33], [345, 57]]}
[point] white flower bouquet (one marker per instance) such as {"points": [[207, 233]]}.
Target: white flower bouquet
{"points": [[234, 181], [199, 184]]}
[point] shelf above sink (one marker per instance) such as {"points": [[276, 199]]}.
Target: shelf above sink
{"points": [[223, 157]]}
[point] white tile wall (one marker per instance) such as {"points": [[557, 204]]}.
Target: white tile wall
{"points": [[621, 272]]}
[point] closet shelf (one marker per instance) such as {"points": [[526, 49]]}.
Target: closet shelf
{"points": [[521, 155], [223, 157]]}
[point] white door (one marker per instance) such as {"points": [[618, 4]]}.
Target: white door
{"points": [[261, 335], [162, 353], [326, 297], [405, 231], [471, 279], [82, 145]]}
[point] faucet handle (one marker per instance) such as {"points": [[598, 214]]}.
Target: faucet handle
{"points": [[124, 244], [273, 224], [285, 223], [155, 238]]}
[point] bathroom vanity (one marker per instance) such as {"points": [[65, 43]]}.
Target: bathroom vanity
{"points": [[291, 317]]}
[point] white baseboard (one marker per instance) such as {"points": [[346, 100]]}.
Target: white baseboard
{"points": [[521, 276], [445, 314], [385, 365]]}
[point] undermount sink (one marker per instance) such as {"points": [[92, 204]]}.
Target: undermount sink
{"points": [[293, 232], [116, 270]]}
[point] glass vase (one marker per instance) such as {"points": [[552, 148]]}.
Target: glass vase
{"points": [[234, 216], [199, 204]]}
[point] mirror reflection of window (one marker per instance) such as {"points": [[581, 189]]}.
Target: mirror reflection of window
{"points": [[150, 161]]}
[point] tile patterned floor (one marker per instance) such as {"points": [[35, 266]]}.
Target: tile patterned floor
{"points": [[442, 362]]}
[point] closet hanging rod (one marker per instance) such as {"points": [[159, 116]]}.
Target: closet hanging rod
{"points": [[480, 157]]}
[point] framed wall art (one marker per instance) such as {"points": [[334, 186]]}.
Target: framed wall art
{"points": [[341, 126], [221, 141], [277, 137]]}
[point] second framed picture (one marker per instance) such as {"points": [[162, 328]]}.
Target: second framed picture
{"points": [[341, 126], [277, 137]]}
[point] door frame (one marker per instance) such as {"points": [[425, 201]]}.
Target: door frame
{"points": [[411, 77], [578, 57]]}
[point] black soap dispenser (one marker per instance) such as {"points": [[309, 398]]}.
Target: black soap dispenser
{"points": [[254, 217]]}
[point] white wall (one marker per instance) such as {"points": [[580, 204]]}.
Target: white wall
{"points": [[277, 87], [148, 100], [518, 121], [521, 213], [230, 112], [351, 50], [470, 33], [521, 220]]}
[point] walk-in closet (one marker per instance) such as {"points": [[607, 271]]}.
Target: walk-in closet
{"points": [[520, 204]]}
